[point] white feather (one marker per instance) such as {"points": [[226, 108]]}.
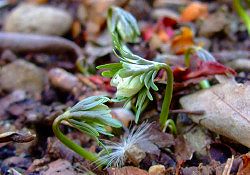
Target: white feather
{"points": [[116, 155]]}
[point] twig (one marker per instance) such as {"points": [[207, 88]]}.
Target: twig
{"points": [[23, 43], [183, 111]]}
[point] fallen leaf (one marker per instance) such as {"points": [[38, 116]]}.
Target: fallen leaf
{"points": [[209, 68], [183, 149], [127, 170], [162, 29], [161, 139], [226, 109], [245, 167], [76, 29], [183, 41], [18, 137], [194, 11], [60, 167], [201, 69]]}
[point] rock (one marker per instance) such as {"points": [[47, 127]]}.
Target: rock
{"points": [[15, 161], [124, 115], [157, 170], [213, 24], [135, 155], [199, 139], [30, 18], [6, 101], [164, 12], [62, 79], [242, 64], [22, 75]]}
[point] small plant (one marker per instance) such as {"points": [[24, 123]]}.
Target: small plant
{"points": [[134, 76], [89, 116]]}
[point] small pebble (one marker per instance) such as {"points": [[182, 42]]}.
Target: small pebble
{"points": [[39, 19], [135, 155], [62, 79], [157, 170]]}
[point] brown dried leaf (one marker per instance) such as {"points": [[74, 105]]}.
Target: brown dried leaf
{"points": [[183, 149], [127, 170], [18, 137], [245, 168], [226, 109], [60, 167], [162, 140]]}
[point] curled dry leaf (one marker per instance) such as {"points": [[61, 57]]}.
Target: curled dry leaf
{"points": [[226, 109], [18, 137]]}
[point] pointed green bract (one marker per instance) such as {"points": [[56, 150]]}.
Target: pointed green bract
{"points": [[123, 24]]}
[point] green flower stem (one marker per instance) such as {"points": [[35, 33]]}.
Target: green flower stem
{"points": [[167, 97], [242, 13], [70, 144]]}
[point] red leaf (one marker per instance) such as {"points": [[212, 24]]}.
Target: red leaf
{"points": [[209, 68], [147, 33], [201, 69], [163, 28]]}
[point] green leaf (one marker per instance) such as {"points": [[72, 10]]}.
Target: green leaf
{"points": [[84, 127], [109, 121], [148, 78], [88, 114], [140, 100], [89, 102], [149, 95], [152, 84], [110, 66], [103, 131]]}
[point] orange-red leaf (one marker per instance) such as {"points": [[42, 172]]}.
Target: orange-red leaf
{"points": [[194, 11], [182, 41]]}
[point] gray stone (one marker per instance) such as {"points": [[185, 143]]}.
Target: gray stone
{"points": [[29, 18], [215, 23], [22, 75]]}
